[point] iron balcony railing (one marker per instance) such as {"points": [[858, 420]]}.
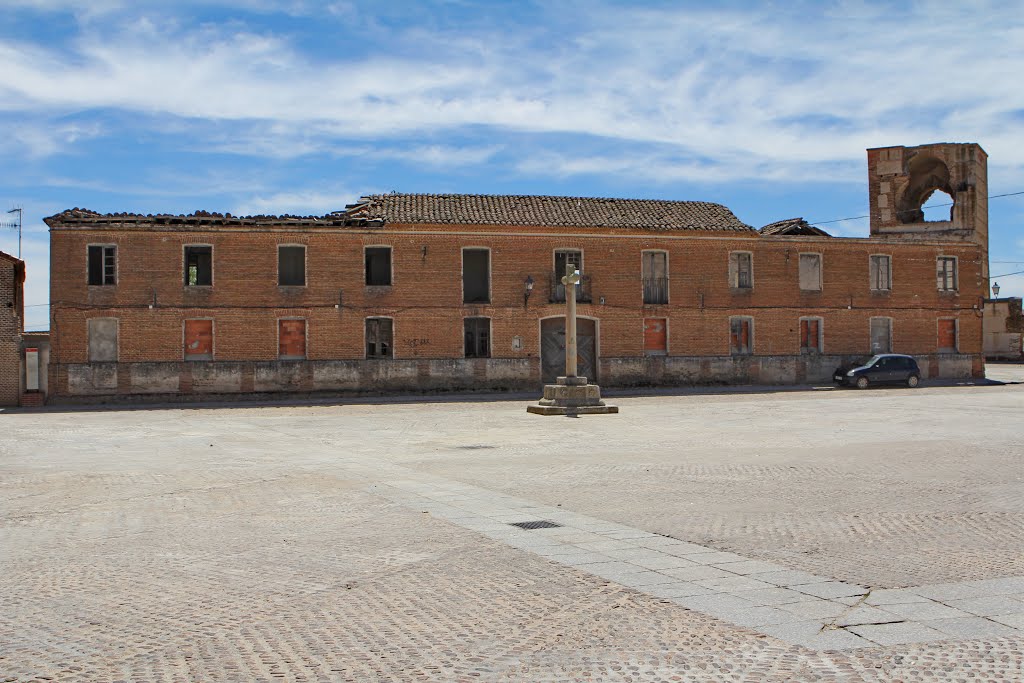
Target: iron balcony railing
{"points": [[655, 290], [558, 289]]}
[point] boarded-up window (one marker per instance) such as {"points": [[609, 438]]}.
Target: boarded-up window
{"points": [[881, 273], [476, 276], [102, 265], [198, 266], [655, 336], [102, 340], [945, 273], [741, 270], [881, 335], [378, 338], [378, 266], [741, 336], [291, 266], [810, 335], [655, 277], [947, 336], [198, 340], [478, 337], [810, 272], [291, 339]]}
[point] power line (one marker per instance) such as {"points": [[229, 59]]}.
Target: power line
{"points": [[929, 206]]}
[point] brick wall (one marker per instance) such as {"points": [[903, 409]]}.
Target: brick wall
{"points": [[11, 320], [425, 299]]}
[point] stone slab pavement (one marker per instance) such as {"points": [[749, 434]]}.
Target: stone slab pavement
{"points": [[376, 542]]}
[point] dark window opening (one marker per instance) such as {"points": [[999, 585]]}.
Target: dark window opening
{"points": [[198, 266], [291, 266], [379, 338], [102, 265], [478, 337], [378, 266], [476, 273]]}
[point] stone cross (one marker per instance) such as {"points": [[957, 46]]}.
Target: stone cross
{"points": [[571, 279]]}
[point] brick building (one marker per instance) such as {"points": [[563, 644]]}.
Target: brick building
{"points": [[444, 292], [12, 321]]}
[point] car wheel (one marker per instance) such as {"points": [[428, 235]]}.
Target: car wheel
{"points": [[913, 381], [862, 382]]}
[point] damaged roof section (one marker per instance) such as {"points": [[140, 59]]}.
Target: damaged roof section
{"points": [[792, 226], [544, 211]]}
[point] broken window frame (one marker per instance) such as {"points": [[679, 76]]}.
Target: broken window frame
{"points": [[946, 275], [810, 286], [372, 273], [197, 249], [741, 278], [193, 357], [91, 351], [477, 337], [736, 324], [376, 347], [103, 271], [280, 262], [875, 280], [819, 334], [655, 288]]}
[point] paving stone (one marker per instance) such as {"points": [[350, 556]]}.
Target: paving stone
{"points": [[645, 578], [897, 634], [788, 577], [698, 573], [810, 634], [830, 589], [865, 615], [919, 611], [664, 562], [814, 608], [988, 606], [750, 567], [1014, 620], [680, 589], [715, 558], [771, 596], [711, 604], [732, 584], [972, 627], [893, 596]]}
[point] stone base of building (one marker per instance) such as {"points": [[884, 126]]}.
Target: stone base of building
{"points": [[571, 396], [272, 380]]}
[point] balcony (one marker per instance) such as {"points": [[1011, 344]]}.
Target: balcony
{"points": [[558, 289], [655, 290]]}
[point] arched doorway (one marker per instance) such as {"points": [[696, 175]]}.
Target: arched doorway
{"points": [[552, 348]]}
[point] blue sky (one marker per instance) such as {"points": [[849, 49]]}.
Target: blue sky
{"points": [[294, 106]]}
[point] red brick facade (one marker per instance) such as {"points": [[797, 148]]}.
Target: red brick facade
{"points": [[12, 317], [674, 293]]}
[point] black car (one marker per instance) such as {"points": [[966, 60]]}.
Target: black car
{"points": [[886, 368]]}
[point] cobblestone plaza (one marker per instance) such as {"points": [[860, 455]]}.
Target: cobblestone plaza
{"points": [[804, 536]]}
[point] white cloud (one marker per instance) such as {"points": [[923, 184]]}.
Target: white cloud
{"points": [[311, 203]]}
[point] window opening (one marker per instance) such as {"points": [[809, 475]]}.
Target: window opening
{"points": [[378, 266], [740, 338], [881, 273], [945, 273], [198, 340], [810, 272], [379, 338], [291, 339], [198, 266], [478, 337], [476, 273], [655, 277], [291, 266], [102, 265]]}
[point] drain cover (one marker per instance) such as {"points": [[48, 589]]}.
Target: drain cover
{"points": [[539, 524]]}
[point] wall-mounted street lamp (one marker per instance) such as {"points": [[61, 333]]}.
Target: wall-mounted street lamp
{"points": [[527, 289], [995, 290]]}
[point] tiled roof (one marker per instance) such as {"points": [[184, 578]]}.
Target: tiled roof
{"points": [[533, 210], [792, 226], [8, 257]]}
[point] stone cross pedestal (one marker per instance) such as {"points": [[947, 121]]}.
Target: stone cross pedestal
{"points": [[571, 395]]}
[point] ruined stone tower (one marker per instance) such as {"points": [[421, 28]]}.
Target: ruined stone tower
{"points": [[902, 179]]}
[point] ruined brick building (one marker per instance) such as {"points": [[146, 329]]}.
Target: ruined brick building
{"points": [[12, 321], [443, 292]]}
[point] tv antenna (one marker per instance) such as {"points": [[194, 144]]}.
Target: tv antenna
{"points": [[14, 226]]}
